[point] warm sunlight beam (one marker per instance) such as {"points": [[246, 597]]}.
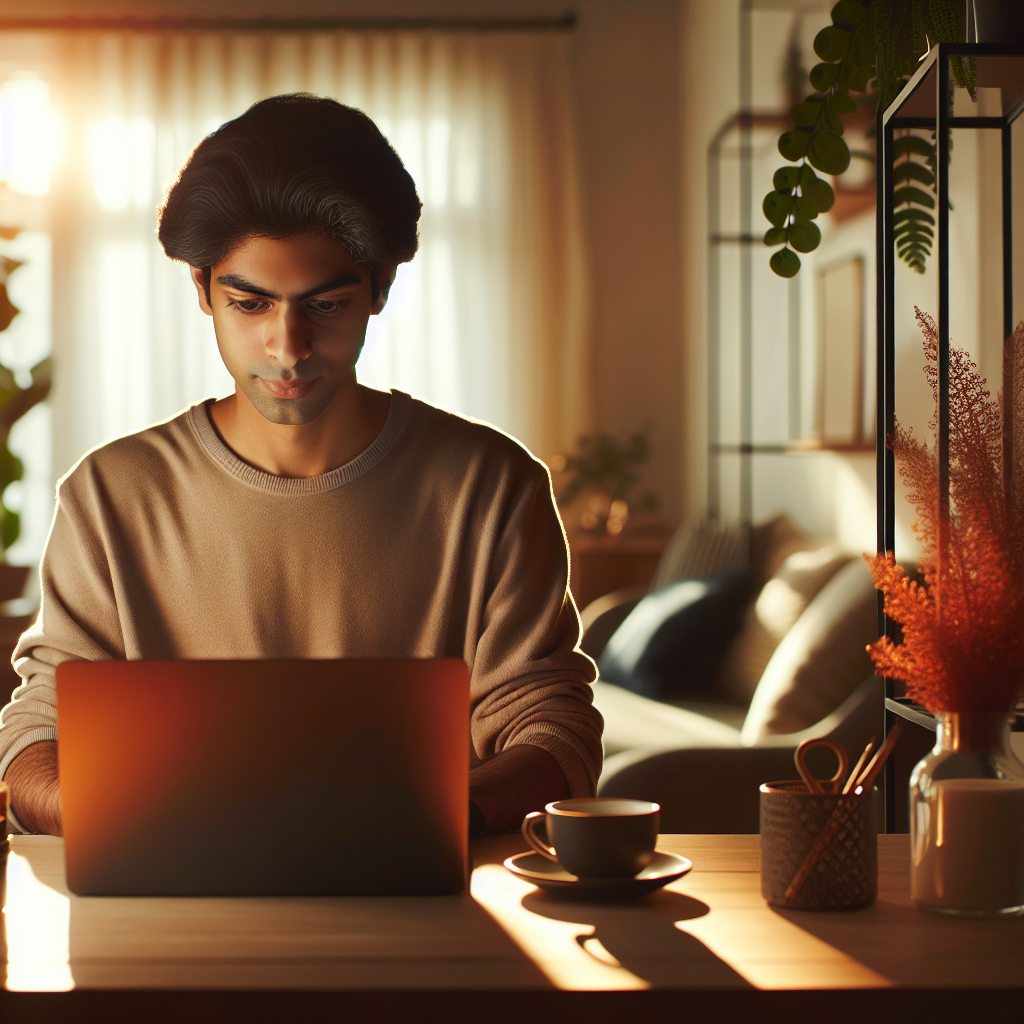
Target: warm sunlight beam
{"points": [[37, 920], [561, 949], [772, 952], [30, 137]]}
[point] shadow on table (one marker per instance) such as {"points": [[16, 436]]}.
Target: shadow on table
{"points": [[642, 937], [946, 950]]}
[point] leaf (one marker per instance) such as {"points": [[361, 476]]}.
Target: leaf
{"points": [[848, 12], [11, 468], [804, 210], [842, 104], [786, 178], [793, 144], [820, 193], [824, 76], [831, 43], [858, 76], [7, 267], [829, 121], [829, 154], [909, 194], [785, 263], [912, 144], [775, 236], [805, 237], [10, 528], [806, 114], [8, 311], [910, 169], [909, 213], [777, 207]]}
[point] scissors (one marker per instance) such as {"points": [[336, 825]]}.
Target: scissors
{"points": [[822, 786]]}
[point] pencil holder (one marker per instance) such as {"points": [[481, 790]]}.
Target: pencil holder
{"points": [[817, 852]]}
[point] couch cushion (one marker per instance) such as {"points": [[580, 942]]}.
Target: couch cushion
{"points": [[820, 661], [631, 721], [781, 602], [674, 639]]}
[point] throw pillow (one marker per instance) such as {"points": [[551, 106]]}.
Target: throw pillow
{"points": [[820, 661], [674, 639], [781, 602]]}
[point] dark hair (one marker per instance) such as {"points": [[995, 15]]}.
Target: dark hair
{"points": [[289, 164]]}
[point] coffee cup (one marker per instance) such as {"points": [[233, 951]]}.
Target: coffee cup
{"points": [[597, 837]]}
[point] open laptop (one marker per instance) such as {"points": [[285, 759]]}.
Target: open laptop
{"points": [[264, 777]]}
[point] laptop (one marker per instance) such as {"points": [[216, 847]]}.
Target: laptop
{"points": [[265, 778]]}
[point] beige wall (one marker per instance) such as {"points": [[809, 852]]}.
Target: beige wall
{"points": [[626, 75]]}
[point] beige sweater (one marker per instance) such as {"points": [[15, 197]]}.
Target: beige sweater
{"points": [[441, 539]]}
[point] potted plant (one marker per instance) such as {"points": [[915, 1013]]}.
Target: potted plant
{"points": [[962, 648]]}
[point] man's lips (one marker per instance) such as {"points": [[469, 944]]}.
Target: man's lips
{"points": [[288, 388]]}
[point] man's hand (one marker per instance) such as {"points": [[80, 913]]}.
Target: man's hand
{"points": [[513, 783], [35, 789]]}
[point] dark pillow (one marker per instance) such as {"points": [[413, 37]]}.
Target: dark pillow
{"points": [[674, 639]]}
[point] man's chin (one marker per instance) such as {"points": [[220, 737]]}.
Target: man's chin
{"points": [[289, 411]]}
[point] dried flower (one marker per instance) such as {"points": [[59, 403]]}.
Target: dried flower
{"points": [[963, 629]]}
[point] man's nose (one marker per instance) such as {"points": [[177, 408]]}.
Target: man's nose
{"points": [[289, 340]]}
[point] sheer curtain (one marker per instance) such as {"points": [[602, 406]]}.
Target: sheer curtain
{"points": [[488, 320]]}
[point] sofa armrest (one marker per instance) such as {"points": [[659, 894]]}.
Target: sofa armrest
{"points": [[707, 790], [604, 615]]}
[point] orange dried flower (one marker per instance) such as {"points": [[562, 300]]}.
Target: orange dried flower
{"points": [[963, 629]]}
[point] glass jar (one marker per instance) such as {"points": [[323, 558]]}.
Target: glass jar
{"points": [[967, 820]]}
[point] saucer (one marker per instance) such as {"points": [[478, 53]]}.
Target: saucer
{"points": [[552, 877]]}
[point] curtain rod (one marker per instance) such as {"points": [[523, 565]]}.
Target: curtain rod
{"points": [[565, 22]]}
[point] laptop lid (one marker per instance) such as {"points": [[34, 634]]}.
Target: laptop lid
{"points": [[264, 777]]}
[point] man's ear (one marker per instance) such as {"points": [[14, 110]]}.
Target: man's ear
{"points": [[385, 280], [201, 279]]}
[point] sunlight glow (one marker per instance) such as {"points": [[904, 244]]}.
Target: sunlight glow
{"points": [[122, 162], [37, 920], [568, 954], [30, 136]]}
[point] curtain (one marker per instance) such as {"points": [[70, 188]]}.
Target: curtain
{"points": [[488, 320]]}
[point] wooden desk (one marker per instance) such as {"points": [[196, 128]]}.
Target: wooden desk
{"points": [[506, 949]]}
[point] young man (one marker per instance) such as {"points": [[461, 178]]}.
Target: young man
{"points": [[307, 516]]}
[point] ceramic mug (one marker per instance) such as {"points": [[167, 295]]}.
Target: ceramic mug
{"points": [[597, 837]]}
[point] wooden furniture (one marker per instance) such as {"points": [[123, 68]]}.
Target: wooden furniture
{"points": [[708, 943], [600, 565]]}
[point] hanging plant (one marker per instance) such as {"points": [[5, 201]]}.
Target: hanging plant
{"points": [[880, 41]]}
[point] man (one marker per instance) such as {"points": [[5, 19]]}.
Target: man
{"points": [[307, 516]]}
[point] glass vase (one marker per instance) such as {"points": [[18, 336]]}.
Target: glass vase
{"points": [[967, 820]]}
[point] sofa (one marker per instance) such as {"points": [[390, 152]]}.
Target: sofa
{"points": [[747, 642]]}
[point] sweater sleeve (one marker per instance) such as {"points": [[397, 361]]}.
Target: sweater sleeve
{"points": [[530, 681], [77, 620]]}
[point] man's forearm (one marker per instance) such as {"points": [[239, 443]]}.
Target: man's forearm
{"points": [[34, 783], [521, 779]]}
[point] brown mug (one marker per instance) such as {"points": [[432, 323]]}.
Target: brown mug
{"points": [[597, 837]]}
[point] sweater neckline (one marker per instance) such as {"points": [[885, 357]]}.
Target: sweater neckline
{"points": [[398, 414]]}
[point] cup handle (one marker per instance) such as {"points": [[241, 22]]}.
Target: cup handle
{"points": [[531, 837]]}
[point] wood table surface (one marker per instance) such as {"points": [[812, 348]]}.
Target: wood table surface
{"points": [[710, 932]]}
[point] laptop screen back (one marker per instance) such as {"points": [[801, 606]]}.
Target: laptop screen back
{"points": [[264, 777]]}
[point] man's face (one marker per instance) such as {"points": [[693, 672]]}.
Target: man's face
{"points": [[290, 316]]}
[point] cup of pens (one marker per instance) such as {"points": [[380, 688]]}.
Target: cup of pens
{"points": [[819, 848]]}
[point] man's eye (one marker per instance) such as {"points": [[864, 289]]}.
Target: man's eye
{"points": [[323, 306], [251, 305]]}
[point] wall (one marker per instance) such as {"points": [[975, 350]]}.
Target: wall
{"points": [[626, 80]]}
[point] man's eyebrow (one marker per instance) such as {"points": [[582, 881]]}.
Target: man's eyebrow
{"points": [[339, 281], [240, 284]]}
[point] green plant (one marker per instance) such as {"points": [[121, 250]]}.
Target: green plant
{"points": [[606, 462], [15, 401], [878, 41]]}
